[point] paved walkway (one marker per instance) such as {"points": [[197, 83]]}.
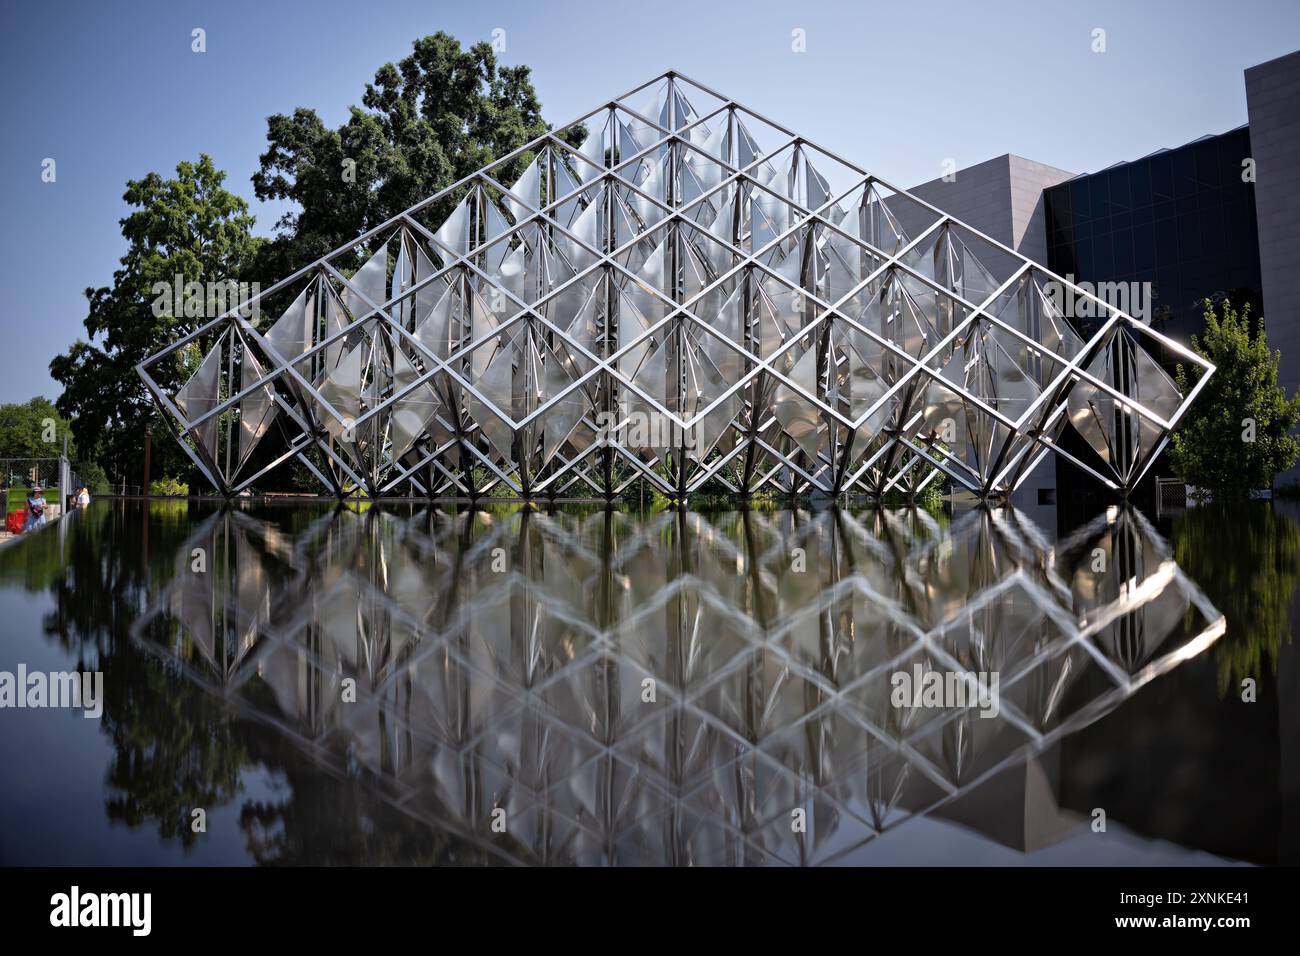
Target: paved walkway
{"points": [[52, 515]]}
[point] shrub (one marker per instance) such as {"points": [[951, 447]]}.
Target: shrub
{"points": [[169, 488]]}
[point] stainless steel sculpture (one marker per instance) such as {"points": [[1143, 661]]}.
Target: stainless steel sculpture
{"points": [[475, 690], [683, 298]]}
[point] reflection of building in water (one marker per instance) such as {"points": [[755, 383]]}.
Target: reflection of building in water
{"points": [[676, 689], [1181, 762]]}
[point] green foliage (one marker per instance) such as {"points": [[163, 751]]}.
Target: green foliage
{"points": [[23, 434], [188, 226], [930, 498], [433, 118], [1209, 450], [169, 488], [425, 122], [93, 477], [1246, 556], [481, 476], [23, 430]]}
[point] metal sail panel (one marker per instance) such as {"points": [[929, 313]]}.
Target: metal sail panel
{"points": [[342, 390], [199, 395], [291, 335], [369, 282], [257, 410]]}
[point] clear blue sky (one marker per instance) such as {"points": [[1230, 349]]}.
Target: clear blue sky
{"points": [[111, 91]]}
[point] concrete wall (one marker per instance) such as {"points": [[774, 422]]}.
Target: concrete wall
{"points": [[1029, 207], [979, 196], [1003, 198], [1273, 103]]}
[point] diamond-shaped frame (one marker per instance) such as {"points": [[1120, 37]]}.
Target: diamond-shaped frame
{"points": [[775, 316]]}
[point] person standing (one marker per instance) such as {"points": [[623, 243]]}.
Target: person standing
{"points": [[83, 497], [35, 509]]}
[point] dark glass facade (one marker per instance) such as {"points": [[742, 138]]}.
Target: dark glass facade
{"points": [[1182, 219]]}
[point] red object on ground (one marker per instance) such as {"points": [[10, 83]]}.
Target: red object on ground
{"points": [[15, 520]]}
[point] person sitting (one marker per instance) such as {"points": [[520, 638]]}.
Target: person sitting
{"points": [[35, 509]]}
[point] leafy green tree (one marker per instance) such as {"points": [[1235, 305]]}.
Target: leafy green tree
{"points": [[426, 122], [430, 120], [32, 430], [36, 429], [187, 226], [1237, 435]]}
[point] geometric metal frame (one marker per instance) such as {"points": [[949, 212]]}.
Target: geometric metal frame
{"points": [[682, 300], [478, 690]]}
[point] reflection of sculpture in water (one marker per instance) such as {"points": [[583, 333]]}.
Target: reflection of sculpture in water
{"points": [[669, 689]]}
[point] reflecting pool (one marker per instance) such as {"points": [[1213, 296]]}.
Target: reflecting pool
{"points": [[581, 685]]}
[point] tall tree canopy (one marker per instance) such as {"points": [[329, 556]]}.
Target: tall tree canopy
{"points": [[431, 119], [187, 226]]}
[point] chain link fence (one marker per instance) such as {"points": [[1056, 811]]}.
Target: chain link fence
{"points": [[54, 476], [1171, 496], [25, 472]]}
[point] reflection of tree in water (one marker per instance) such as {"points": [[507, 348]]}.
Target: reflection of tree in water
{"points": [[175, 745], [172, 750], [317, 820], [1246, 556]]}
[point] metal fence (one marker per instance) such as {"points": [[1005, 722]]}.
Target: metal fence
{"points": [[53, 475], [24, 472], [1171, 495]]}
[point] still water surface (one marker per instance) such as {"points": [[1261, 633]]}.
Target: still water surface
{"points": [[512, 685]]}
